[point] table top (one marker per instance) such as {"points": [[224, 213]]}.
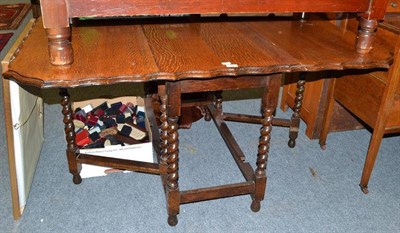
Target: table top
{"points": [[181, 48]]}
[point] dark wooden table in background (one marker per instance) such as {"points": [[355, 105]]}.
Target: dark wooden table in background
{"points": [[373, 97], [57, 15]]}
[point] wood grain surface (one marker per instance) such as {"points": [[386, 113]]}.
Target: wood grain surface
{"points": [[166, 49], [156, 7]]}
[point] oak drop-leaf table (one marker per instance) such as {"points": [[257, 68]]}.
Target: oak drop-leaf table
{"points": [[184, 56]]}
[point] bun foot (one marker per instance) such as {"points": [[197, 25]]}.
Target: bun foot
{"points": [[291, 143], [364, 189], [77, 179], [323, 147], [255, 206], [172, 220], [207, 115]]}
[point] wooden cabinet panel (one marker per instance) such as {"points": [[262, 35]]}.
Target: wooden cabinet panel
{"points": [[314, 104], [393, 6], [347, 92]]}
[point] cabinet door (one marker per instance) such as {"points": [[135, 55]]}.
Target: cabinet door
{"points": [[23, 110]]}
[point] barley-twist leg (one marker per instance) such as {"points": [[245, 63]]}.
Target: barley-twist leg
{"points": [[262, 159], [69, 130], [295, 120], [173, 197]]}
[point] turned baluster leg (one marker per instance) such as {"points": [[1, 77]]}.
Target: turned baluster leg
{"points": [[295, 120], [173, 196], [56, 22], [60, 48], [69, 129], [269, 104], [366, 34]]}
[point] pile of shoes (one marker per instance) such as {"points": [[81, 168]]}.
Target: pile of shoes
{"points": [[106, 125]]}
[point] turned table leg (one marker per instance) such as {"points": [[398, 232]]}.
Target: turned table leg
{"points": [[262, 157], [69, 130], [163, 136], [56, 22], [295, 120], [366, 34], [173, 197], [269, 104], [171, 101], [60, 48]]}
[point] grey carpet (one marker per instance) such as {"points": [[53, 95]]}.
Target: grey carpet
{"points": [[296, 200]]}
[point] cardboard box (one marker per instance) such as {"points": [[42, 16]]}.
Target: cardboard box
{"points": [[138, 152]]}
